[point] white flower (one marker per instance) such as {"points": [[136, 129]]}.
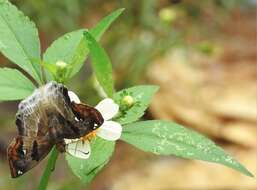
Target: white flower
{"points": [[109, 130]]}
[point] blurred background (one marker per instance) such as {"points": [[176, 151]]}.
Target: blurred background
{"points": [[203, 56]]}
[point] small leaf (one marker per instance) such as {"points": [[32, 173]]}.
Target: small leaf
{"points": [[51, 68], [67, 48], [14, 85], [87, 169], [104, 24], [167, 138], [19, 39], [101, 64], [141, 95]]}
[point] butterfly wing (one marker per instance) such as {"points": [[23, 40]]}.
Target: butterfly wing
{"points": [[35, 117], [85, 112], [25, 153], [36, 111]]}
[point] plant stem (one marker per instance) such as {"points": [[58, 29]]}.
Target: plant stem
{"points": [[43, 73], [48, 170]]}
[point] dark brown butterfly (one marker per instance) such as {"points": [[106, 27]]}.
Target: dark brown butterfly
{"points": [[45, 119]]}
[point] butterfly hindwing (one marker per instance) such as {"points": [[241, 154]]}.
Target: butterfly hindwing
{"points": [[25, 153]]}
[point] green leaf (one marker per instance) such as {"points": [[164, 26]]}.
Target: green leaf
{"points": [[19, 39], [63, 49], [14, 85], [142, 96], [167, 138], [101, 64], [67, 48], [87, 169], [104, 24], [78, 57], [51, 68], [92, 174]]}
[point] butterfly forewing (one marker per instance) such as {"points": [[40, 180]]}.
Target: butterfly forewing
{"points": [[32, 118]]}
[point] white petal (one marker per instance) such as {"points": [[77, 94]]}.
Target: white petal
{"points": [[73, 97], [68, 141], [108, 108], [110, 130], [78, 148]]}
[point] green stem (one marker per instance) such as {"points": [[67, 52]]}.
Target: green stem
{"points": [[43, 74], [48, 170]]}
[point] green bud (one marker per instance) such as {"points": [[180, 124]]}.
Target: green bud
{"points": [[128, 100], [167, 15], [61, 72], [61, 64]]}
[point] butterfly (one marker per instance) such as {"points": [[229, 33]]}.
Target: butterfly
{"points": [[45, 119]]}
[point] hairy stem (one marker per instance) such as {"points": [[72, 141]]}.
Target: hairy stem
{"points": [[48, 170]]}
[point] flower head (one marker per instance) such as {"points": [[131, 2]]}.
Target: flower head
{"points": [[109, 130]]}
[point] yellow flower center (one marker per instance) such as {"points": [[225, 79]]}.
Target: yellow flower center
{"points": [[89, 136]]}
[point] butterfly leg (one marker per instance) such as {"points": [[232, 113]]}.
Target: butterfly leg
{"points": [[61, 146]]}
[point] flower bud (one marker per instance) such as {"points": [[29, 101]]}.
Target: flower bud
{"points": [[128, 100], [167, 15], [61, 71], [61, 64]]}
